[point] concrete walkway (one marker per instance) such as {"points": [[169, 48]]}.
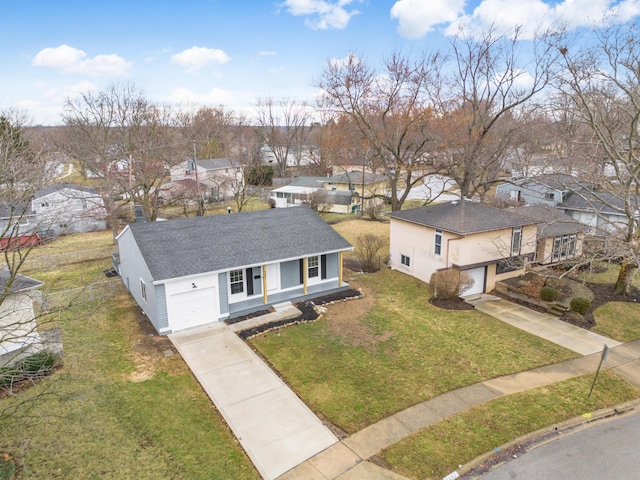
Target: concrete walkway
{"points": [[276, 429], [542, 325], [343, 460], [285, 440]]}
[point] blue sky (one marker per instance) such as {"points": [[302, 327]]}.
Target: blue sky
{"points": [[231, 53]]}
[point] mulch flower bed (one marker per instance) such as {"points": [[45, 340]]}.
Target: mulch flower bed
{"points": [[309, 313]]}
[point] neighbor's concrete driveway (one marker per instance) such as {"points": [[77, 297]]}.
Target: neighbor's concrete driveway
{"points": [[543, 325], [274, 427]]}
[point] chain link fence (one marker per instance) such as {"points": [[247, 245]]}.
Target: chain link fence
{"points": [[57, 260], [93, 291]]}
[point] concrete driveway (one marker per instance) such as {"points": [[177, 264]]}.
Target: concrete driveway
{"points": [[273, 426], [543, 325]]}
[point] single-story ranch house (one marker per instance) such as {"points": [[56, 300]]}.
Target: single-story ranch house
{"points": [[194, 271]]}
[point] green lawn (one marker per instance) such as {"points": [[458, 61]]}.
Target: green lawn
{"points": [[618, 320], [118, 408], [422, 351], [608, 275], [437, 450]]}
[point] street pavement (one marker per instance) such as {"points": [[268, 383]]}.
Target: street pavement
{"points": [[604, 450], [285, 440]]}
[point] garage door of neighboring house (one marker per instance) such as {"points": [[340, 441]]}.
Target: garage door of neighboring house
{"points": [[478, 281], [193, 308]]}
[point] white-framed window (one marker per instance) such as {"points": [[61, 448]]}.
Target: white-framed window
{"points": [[236, 281], [405, 260], [438, 243], [143, 290], [563, 247], [313, 267], [516, 240]]}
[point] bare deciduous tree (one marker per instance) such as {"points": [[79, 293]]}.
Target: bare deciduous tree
{"points": [[483, 105], [602, 84], [23, 350], [283, 127], [391, 112], [126, 141]]}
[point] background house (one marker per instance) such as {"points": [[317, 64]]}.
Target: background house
{"points": [[548, 189], [18, 328], [18, 215], [560, 237], [221, 176], [342, 193], [602, 211], [194, 271], [66, 208], [489, 244]]}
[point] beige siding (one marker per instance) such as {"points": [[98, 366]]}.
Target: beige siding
{"points": [[418, 243], [487, 246], [493, 277]]}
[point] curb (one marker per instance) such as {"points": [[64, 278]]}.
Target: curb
{"points": [[544, 435]]}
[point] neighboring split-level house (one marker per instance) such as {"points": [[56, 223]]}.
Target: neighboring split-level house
{"points": [[220, 176], [560, 237], [489, 244], [195, 271]]}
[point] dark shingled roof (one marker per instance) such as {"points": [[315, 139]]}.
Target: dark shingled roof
{"points": [[553, 222], [20, 283], [218, 163], [602, 202], [176, 248], [60, 186], [462, 217]]}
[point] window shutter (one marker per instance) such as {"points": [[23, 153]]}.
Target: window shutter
{"points": [[323, 266], [249, 281], [301, 271]]}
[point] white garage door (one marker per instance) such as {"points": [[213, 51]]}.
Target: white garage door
{"points": [[193, 308], [478, 281]]}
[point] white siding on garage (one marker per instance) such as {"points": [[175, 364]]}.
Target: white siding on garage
{"points": [[193, 308]]}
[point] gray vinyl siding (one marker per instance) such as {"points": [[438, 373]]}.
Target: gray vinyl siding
{"points": [[332, 265], [161, 307], [290, 274], [222, 292], [133, 269]]}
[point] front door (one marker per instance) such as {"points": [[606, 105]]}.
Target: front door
{"points": [[273, 277]]}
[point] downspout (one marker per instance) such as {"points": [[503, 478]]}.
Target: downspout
{"points": [[264, 284], [340, 268], [447, 257]]}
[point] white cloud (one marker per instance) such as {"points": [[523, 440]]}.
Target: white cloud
{"points": [[267, 53], [418, 17], [71, 60], [325, 14], [196, 58], [343, 62], [217, 96]]}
